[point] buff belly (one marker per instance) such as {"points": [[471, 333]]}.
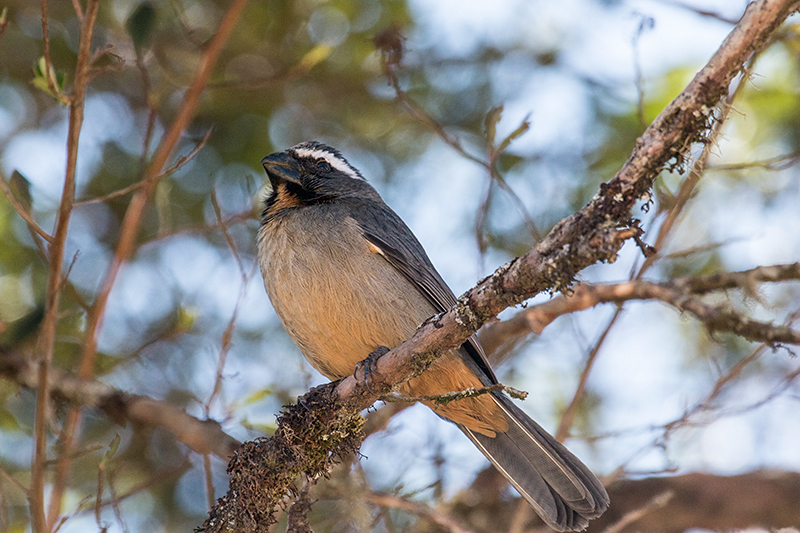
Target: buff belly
{"points": [[339, 300]]}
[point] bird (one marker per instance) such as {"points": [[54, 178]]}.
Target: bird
{"points": [[346, 277]]}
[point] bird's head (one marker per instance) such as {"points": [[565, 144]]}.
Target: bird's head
{"points": [[310, 173]]}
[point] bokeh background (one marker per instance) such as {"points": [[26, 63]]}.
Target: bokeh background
{"points": [[588, 75]]}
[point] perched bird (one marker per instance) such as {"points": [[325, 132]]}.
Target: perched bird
{"points": [[346, 276]]}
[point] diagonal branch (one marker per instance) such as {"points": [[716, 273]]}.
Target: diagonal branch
{"points": [[202, 436], [327, 421], [584, 296]]}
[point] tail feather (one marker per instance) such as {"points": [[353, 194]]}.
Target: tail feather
{"points": [[562, 491]]}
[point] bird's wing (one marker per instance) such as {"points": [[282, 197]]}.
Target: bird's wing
{"points": [[388, 234]]}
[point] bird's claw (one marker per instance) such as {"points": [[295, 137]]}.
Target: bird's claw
{"points": [[369, 365]]}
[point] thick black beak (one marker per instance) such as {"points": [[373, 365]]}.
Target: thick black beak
{"points": [[280, 166]]}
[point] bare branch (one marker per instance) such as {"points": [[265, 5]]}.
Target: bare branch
{"points": [[744, 279], [443, 399], [656, 502], [327, 421], [110, 196], [202, 436], [22, 212], [389, 501], [780, 162], [135, 211], [584, 296], [390, 58]]}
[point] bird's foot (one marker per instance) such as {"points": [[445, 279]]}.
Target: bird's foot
{"points": [[370, 366]]}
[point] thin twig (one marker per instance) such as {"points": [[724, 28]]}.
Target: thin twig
{"points": [[227, 235], [686, 190], [568, 417], [139, 184], [237, 218], [51, 82], [110, 196], [656, 502], [209, 480], [418, 112], [683, 197], [227, 335], [170, 474], [202, 436], [133, 215], [182, 160], [151, 110], [421, 510], [22, 212], [706, 405], [114, 501], [536, 318], [47, 337], [702, 12], [447, 397], [101, 468], [780, 162]]}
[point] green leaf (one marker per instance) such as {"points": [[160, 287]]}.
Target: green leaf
{"points": [[314, 57], [490, 123], [187, 316], [113, 446], [517, 133], [42, 78], [21, 188], [257, 396]]}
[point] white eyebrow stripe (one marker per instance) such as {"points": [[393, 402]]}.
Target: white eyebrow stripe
{"points": [[332, 160]]}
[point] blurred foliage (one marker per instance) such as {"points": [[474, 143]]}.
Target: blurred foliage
{"points": [[302, 70]]}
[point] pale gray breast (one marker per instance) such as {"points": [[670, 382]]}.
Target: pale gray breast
{"points": [[337, 298]]}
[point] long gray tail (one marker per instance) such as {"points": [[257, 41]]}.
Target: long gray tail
{"points": [[562, 491]]}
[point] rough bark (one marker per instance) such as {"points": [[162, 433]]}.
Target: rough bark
{"points": [[594, 234]]}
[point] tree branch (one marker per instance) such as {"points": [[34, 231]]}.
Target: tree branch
{"points": [[133, 215], [202, 436], [327, 421], [55, 280], [444, 521], [676, 293]]}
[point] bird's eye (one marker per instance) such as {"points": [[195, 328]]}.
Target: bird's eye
{"points": [[323, 165]]}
